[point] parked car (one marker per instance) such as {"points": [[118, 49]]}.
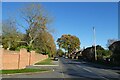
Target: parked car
{"points": [[66, 57], [56, 58]]}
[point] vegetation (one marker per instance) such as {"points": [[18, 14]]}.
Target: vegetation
{"points": [[10, 34], [45, 44], [89, 53], [60, 52], [36, 19], [68, 42], [102, 54], [37, 35], [106, 57], [21, 71], [110, 42], [47, 61]]}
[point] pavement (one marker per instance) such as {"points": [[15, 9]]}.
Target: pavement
{"points": [[50, 67], [71, 69]]}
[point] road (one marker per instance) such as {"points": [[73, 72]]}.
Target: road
{"points": [[72, 69]]}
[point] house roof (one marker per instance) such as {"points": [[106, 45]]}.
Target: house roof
{"points": [[115, 43]]}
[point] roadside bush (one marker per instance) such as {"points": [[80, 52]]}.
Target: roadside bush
{"points": [[102, 54], [26, 47]]}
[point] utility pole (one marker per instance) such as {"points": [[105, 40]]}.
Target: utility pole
{"points": [[95, 43]]}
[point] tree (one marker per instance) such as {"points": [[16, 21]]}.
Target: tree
{"points": [[103, 54], [60, 52], [45, 44], [36, 19], [110, 41], [10, 35], [68, 42], [37, 35]]}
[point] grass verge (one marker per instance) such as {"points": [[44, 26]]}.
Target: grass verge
{"points": [[47, 61], [21, 71]]}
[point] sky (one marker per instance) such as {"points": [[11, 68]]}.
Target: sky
{"points": [[119, 20], [77, 18]]}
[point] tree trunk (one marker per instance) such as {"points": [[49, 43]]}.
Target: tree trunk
{"points": [[9, 45]]}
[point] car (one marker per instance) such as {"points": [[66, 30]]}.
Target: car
{"points": [[66, 57], [56, 58]]}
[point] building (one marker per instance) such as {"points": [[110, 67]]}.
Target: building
{"points": [[115, 48]]}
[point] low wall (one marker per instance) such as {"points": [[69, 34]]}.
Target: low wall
{"points": [[19, 59]]}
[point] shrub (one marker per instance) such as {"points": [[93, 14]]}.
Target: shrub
{"points": [[26, 47], [103, 54]]}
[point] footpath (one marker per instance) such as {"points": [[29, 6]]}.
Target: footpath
{"points": [[49, 67]]}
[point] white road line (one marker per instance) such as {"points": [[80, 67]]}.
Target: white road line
{"points": [[90, 71], [79, 66], [104, 78], [84, 68], [87, 70]]}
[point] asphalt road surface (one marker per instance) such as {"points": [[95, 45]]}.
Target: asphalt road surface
{"points": [[69, 69]]}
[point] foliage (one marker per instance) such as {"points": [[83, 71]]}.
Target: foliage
{"points": [[36, 19], [98, 47], [36, 37], [68, 42], [110, 41], [45, 44], [103, 53], [10, 35], [60, 52], [26, 47]]}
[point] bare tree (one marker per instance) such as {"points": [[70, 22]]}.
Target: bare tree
{"points": [[110, 41], [36, 19]]}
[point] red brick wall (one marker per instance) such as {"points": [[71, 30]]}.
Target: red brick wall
{"points": [[10, 61], [19, 60]]}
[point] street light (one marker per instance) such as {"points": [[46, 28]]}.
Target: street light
{"points": [[94, 42]]}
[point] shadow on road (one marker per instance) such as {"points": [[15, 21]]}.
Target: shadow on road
{"points": [[94, 65]]}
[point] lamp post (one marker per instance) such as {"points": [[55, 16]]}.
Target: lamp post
{"points": [[94, 43]]}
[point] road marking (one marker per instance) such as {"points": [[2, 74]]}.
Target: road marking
{"points": [[90, 71], [84, 68], [78, 66], [87, 70], [76, 62], [104, 78]]}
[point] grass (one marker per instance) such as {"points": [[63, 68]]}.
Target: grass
{"points": [[21, 71], [47, 61]]}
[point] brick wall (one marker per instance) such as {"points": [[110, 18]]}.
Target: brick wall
{"points": [[19, 59]]}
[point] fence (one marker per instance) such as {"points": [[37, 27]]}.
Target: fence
{"points": [[18, 59]]}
